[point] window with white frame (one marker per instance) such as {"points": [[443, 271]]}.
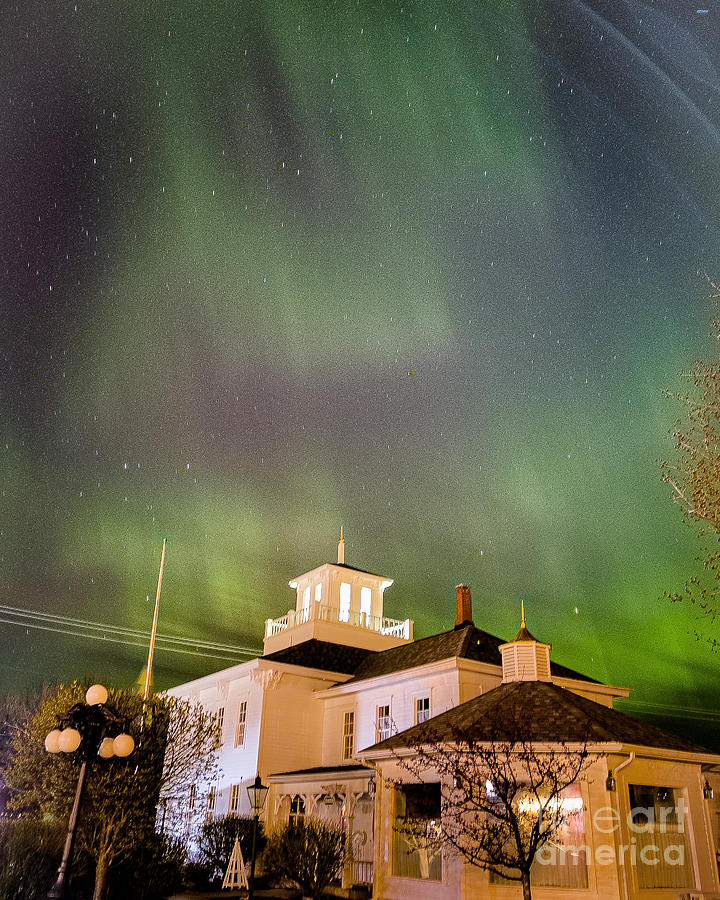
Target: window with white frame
{"points": [[306, 604], [422, 709], [220, 720], [318, 592], [211, 798], [344, 602], [297, 810], [365, 602], [234, 805], [240, 724], [348, 743], [382, 722]]}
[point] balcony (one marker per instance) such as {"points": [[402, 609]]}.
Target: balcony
{"points": [[317, 612]]}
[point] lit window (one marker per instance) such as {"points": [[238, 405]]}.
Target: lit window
{"points": [[348, 745], [422, 709], [220, 719], [234, 807], [365, 601], [344, 602], [297, 811], [382, 723], [240, 727], [306, 603], [318, 593], [562, 861]]}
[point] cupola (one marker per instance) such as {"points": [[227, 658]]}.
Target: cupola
{"points": [[337, 603], [525, 658]]}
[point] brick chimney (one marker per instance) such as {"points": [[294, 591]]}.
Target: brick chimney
{"points": [[463, 605]]}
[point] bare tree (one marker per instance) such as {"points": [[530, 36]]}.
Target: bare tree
{"points": [[694, 477], [500, 801]]}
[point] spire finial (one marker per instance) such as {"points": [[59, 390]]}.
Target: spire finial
{"points": [[522, 613], [341, 548]]}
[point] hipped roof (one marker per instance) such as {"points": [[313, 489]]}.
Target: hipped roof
{"points": [[537, 712]]}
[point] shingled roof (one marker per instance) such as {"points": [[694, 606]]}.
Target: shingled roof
{"points": [[467, 642], [545, 713], [329, 657]]}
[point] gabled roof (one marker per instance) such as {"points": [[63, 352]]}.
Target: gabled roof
{"points": [[545, 713], [467, 642], [329, 657]]}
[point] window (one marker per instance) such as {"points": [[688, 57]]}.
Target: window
{"points": [[192, 798], [220, 719], [562, 862], [422, 709], [318, 593], [365, 601], [306, 604], [382, 723], [240, 726], [657, 825], [348, 744], [234, 806], [416, 832], [297, 810], [344, 602], [210, 809]]}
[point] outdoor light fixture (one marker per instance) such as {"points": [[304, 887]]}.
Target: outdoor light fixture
{"points": [[257, 794], [708, 792], [610, 782], [95, 729]]}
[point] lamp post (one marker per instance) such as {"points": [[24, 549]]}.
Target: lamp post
{"points": [[257, 793], [95, 729]]}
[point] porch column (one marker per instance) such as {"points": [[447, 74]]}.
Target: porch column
{"points": [[347, 875]]}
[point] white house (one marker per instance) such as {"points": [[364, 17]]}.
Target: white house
{"points": [[338, 682]]}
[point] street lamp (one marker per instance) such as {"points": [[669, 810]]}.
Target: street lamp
{"points": [[257, 793], [96, 729]]}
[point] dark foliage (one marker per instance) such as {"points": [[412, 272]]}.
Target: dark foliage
{"points": [[30, 853], [217, 839], [308, 855], [153, 871]]}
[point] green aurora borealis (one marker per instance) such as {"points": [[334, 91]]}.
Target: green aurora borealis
{"points": [[420, 269]]}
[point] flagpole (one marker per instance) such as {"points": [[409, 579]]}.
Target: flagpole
{"points": [[151, 649]]}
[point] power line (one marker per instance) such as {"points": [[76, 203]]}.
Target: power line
{"points": [[118, 634], [672, 711]]}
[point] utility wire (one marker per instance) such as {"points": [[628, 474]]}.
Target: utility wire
{"points": [[120, 629], [119, 634]]}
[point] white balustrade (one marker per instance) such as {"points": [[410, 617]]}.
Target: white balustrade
{"points": [[321, 613]]}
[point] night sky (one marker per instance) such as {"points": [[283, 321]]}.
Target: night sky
{"points": [[422, 269]]}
